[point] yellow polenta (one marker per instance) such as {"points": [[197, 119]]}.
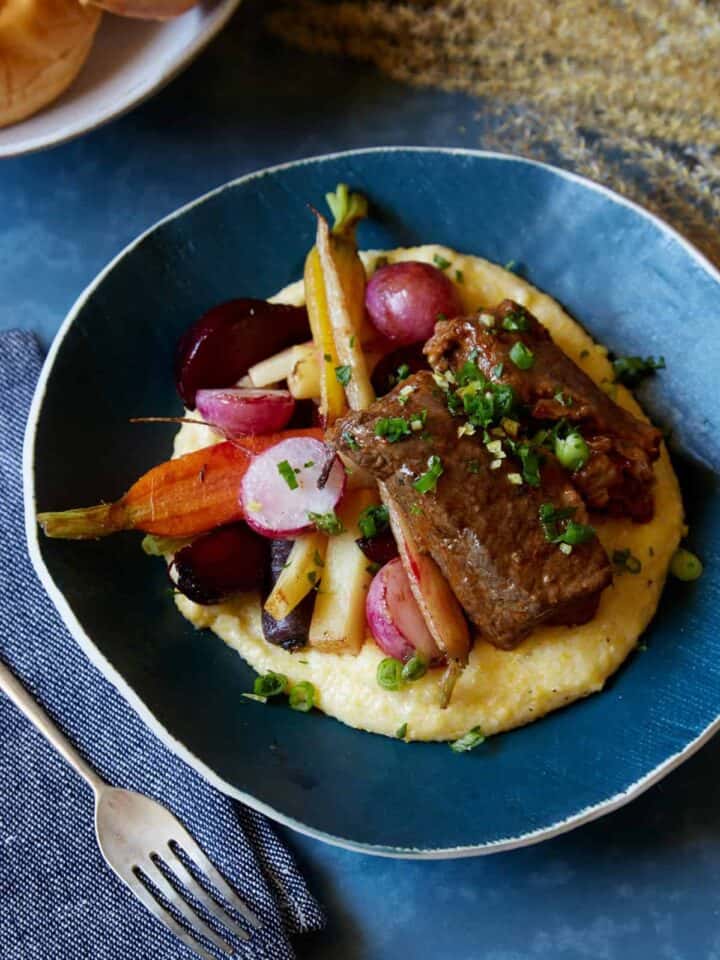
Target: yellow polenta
{"points": [[499, 689]]}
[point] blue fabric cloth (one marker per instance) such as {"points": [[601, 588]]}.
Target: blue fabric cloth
{"points": [[58, 898]]}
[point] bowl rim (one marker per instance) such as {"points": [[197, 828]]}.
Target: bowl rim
{"points": [[581, 817], [212, 25]]}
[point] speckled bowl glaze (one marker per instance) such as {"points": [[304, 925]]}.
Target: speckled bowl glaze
{"points": [[634, 283]]}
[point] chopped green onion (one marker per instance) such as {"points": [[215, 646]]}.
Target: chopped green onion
{"points": [[308, 464], [468, 741], [428, 481], [302, 696], [631, 370], [256, 697], [401, 731], [350, 440], [459, 276], [515, 322], [327, 523], [318, 560], [573, 533], [572, 451], [270, 685], [403, 372], [288, 474], [522, 356], [530, 460], [389, 673], [392, 429], [373, 520], [624, 561], [440, 262], [415, 668], [343, 375], [685, 565]]}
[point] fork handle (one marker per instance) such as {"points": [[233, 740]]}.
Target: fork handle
{"points": [[10, 685]]}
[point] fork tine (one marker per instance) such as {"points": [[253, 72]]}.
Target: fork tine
{"points": [[160, 913], [184, 840], [155, 874], [213, 908]]}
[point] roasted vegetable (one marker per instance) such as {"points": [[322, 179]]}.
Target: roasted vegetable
{"points": [[178, 498], [291, 630], [301, 573]]}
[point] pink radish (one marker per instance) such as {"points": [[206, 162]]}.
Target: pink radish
{"points": [[238, 412], [287, 484], [394, 616]]}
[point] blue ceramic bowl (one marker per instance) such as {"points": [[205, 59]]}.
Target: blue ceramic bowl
{"points": [[635, 284]]}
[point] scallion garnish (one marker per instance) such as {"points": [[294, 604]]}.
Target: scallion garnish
{"points": [[288, 474], [415, 668], [468, 741], [572, 533], [428, 481], [515, 322], [392, 429], [522, 356], [389, 673], [302, 696], [350, 440], [440, 262], [328, 523], [631, 370], [343, 375], [571, 450], [403, 372], [459, 276], [625, 562], [373, 520], [685, 565], [401, 731], [270, 685]]}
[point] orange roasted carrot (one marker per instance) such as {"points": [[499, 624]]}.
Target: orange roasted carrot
{"points": [[178, 498]]}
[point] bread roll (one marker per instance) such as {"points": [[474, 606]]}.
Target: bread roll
{"points": [[43, 45]]}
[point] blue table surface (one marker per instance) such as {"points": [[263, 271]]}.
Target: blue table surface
{"points": [[642, 883]]}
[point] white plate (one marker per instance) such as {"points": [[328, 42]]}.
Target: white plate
{"points": [[129, 61]]}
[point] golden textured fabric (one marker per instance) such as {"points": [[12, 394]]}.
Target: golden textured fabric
{"points": [[626, 93]]}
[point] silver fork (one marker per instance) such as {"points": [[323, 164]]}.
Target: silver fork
{"points": [[140, 840]]}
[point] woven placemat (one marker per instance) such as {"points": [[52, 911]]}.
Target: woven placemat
{"points": [[626, 93]]}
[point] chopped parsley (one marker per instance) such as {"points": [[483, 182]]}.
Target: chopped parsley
{"points": [[530, 460], [427, 481], [571, 533], [312, 576], [327, 523], [497, 370], [564, 401], [401, 731], [522, 356], [468, 741], [327, 358], [318, 560], [343, 375], [308, 464], [373, 520], [403, 372], [440, 262], [625, 562], [459, 276], [351, 341], [515, 322], [288, 474], [631, 370]]}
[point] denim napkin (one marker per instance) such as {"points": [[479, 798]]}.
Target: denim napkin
{"points": [[58, 899]]}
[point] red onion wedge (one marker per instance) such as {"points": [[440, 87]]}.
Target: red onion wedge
{"points": [[288, 483], [394, 616], [237, 412]]}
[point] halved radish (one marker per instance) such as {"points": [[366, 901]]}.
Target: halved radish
{"points": [[238, 412], [394, 616], [288, 484]]}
